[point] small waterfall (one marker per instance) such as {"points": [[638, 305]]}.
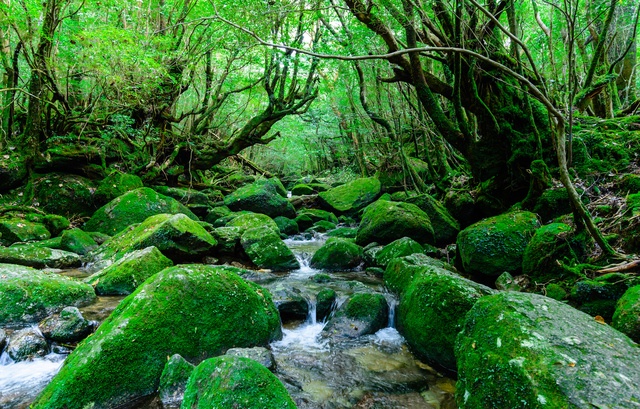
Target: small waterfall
{"points": [[20, 382]]}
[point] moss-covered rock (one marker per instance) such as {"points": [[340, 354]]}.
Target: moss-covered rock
{"points": [[337, 254], [445, 227], [28, 295], [384, 222], [321, 227], [317, 215], [185, 196], [325, 301], [228, 239], [55, 223], [66, 195], [525, 350], [193, 310], [398, 248], [291, 304], [401, 271], [246, 221], [261, 355], [343, 232], [33, 255], [216, 213], [302, 189], [552, 203], [176, 235], [432, 311], [626, 318], [127, 273], [19, 230], [350, 197], [68, 326], [361, 314], [496, 244], [461, 206], [173, 380], [260, 198], [266, 249], [77, 241], [555, 291], [551, 248], [600, 295], [133, 207], [235, 382], [287, 226], [116, 184], [26, 344], [13, 171]]}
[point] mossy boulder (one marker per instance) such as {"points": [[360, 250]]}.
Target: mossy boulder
{"points": [[361, 314], [626, 318], [127, 273], [302, 189], [432, 311], [33, 255], [287, 226], [461, 206], [133, 207], [398, 248], [216, 213], [497, 244], [196, 311], [599, 296], [265, 249], [173, 380], [385, 221], [552, 203], [260, 198], [13, 171], [55, 223], [291, 303], [325, 301], [321, 227], [318, 215], [28, 295], [67, 326], [520, 349], [176, 235], [77, 241], [350, 197], [553, 248], [228, 239], [445, 227], [114, 185], [66, 195], [26, 344], [186, 196], [235, 382], [343, 232], [18, 230], [276, 183], [337, 254], [246, 221], [401, 271]]}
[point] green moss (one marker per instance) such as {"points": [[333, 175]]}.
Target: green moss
{"points": [[173, 380], [216, 213], [363, 313], [302, 189], [18, 230], [77, 241], [55, 223], [28, 295], [65, 195], [352, 196], [126, 274], [133, 207], [266, 250], [555, 291], [253, 220], [626, 318], [193, 310], [116, 184], [402, 271], [343, 232], [235, 382], [260, 197], [337, 254], [445, 227], [398, 248], [317, 215], [497, 244], [325, 300], [384, 222], [552, 203], [286, 226], [13, 171], [39, 257], [321, 226]]}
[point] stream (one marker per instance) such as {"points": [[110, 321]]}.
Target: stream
{"points": [[320, 372]]}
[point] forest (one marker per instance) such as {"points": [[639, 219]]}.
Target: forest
{"points": [[404, 203]]}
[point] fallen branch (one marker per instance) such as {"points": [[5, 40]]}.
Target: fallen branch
{"points": [[620, 267]]}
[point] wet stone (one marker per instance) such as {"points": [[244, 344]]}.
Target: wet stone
{"points": [[68, 326], [26, 344], [259, 354]]}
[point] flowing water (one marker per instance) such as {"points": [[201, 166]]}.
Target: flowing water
{"points": [[373, 371]]}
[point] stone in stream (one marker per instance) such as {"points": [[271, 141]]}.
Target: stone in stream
{"points": [[306, 218], [290, 302], [27, 343], [626, 318], [497, 244], [287, 226], [19, 230], [398, 248], [259, 354], [228, 239], [361, 314], [67, 326], [518, 348], [126, 274], [133, 207], [261, 197], [402, 271], [194, 310], [325, 302], [350, 197], [249, 220], [32, 255], [385, 221], [28, 295], [173, 381], [337, 254], [235, 382], [177, 236], [77, 241], [265, 249]]}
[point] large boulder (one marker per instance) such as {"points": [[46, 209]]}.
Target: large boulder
{"points": [[361, 314], [77, 241], [526, 350], [28, 295], [19, 230], [260, 197], [66, 195], [246, 221], [266, 249], [401, 271], [626, 318], [13, 171], [133, 207], [173, 381], [350, 197], [196, 311], [432, 311], [116, 184], [497, 244], [33, 255], [127, 273], [337, 254], [445, 227], [176, 235], [235, 382], [398, 248], [385, 221]]}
